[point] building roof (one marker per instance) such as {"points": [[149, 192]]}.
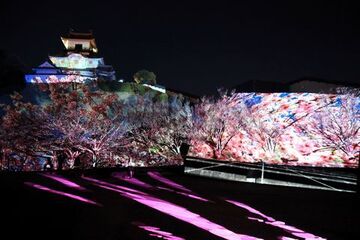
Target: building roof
{"points": [[73, 40], [336, 82], [79, 35], [46, 64], [261, 86], [46, 68]]}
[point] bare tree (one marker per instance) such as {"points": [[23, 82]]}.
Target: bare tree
{"points": [[337, 125], [217, 121]]}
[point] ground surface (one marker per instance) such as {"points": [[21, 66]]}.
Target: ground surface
{"points": [[106, 205]]}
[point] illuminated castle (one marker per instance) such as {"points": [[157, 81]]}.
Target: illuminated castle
{"points": [[78, 63]]}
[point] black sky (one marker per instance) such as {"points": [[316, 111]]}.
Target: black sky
{"points": [[196, 47]]}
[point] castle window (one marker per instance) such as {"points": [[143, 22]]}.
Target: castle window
{"points": [[78, 47]]}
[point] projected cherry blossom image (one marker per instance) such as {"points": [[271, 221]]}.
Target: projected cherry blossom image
{"points": [[279, 128], [207, 120], [85, 127]]}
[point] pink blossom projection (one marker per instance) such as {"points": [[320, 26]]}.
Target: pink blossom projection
{"points": [[271, 221], [61, 193], [173, 210], [300, 129]]}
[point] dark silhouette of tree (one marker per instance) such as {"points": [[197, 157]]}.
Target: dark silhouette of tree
{"points": [[11, 73], [145, 77]]}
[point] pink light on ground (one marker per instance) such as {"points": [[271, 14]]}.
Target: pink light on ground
{"points": [[69, 195], [250, 209], [271, 221], [256, 219], [157, 176], [63, 181], [93, 180], [184, 194], [132, 180], [140, 183], [156, 232], [179, 213]]}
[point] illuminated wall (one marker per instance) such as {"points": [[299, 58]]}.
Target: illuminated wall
{"points": [[305, 129], [71, 43], [60, 78], [76, 61], [86, 44]]}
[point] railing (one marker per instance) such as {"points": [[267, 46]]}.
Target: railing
{"points": [[307, 177]]}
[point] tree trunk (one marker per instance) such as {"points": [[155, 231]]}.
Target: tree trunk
{"points": [[71, 162], [216, 153]]}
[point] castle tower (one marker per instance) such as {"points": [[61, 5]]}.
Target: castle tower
{"points": [[82, 43], [79, 62]]}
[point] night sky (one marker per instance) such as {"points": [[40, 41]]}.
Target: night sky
{"points": [[196, 47]]}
